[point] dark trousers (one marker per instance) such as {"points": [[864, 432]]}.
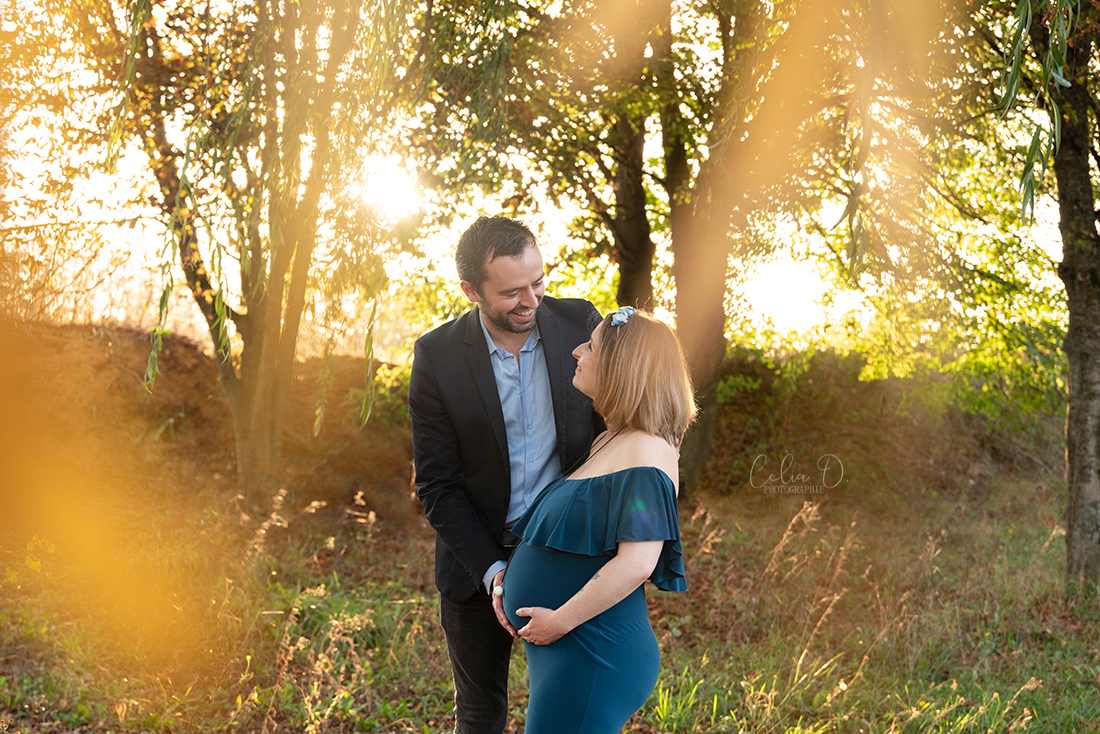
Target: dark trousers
{"points": [[479, 649]]}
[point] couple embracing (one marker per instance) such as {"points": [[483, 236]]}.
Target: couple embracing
{"points": [[546, 445]]}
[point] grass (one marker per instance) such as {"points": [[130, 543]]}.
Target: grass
{"points": [[807, 619], [923, 596], [852, 631]]}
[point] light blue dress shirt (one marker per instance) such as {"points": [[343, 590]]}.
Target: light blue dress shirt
{"points": [[523, 385]]}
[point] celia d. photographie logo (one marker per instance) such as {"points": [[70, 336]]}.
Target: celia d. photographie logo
{"points": [[789, 478]]}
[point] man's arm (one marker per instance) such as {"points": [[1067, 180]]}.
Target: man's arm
{"points": [[439, 474]]}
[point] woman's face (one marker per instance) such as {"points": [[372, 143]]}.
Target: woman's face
{"points": [[588, 357]]}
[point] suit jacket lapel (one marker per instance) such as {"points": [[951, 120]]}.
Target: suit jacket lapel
{"points": [[477, 357]]}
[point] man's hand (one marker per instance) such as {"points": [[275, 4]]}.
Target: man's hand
{"points": [[498, 605]]}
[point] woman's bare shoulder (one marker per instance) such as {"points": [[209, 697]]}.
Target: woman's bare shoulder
{"points": [[646, 449]]}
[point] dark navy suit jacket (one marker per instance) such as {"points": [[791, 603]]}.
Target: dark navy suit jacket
{"points": [[459, 443]]}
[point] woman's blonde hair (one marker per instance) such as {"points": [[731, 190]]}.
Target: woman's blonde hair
{"points": [[643, 381]]}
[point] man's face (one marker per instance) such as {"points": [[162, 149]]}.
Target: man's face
{"points": [[511, 293]]}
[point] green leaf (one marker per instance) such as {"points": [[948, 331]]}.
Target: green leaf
{"points": [[1033, 150], [368, 354]]}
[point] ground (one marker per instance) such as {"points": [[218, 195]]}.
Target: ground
{"points": [[914, 575]]}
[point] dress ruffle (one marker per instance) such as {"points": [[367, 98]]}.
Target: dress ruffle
{"points": [[592, 516]]}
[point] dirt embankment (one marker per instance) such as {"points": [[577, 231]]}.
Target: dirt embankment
{"points": [[80, 433], [813, 425]]}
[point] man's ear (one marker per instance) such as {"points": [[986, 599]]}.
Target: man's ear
{"points": [[470, 291]]}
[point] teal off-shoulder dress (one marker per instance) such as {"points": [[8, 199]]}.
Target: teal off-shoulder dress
{"points": [[594, 678]]}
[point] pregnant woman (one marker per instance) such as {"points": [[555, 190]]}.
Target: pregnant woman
{"points": [[573, 588]]}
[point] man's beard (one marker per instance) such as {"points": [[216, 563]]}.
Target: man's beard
{"points": [[503, 321]]}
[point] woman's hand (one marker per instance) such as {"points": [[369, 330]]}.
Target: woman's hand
{"points": [[543, 629], [634, 561]]}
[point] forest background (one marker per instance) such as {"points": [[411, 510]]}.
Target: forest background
{"points": [[222, 224]]}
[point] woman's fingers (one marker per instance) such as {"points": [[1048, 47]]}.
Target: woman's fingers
{"points": [[527, 634], [537, 631]]}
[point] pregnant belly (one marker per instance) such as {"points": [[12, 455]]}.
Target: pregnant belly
{"points": [[540, 577]]}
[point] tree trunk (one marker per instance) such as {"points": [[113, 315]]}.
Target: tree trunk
{"points": [[634, 247], [273, 300], [700, 269], [700, 231], [164, 162], [1080, 272], [751, 150], [700, 252]]}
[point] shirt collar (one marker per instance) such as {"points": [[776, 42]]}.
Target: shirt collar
{"points": [[532, 338]]}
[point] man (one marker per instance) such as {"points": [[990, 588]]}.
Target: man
{"points": [[495, 418]]}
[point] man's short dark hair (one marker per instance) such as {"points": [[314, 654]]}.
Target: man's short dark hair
{"points": [[487, 239]]}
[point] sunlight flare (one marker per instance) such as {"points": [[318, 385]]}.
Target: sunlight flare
{"points": [[390, 187]]}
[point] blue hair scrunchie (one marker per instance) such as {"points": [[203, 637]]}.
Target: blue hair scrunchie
{"points": [[619, 317]]}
